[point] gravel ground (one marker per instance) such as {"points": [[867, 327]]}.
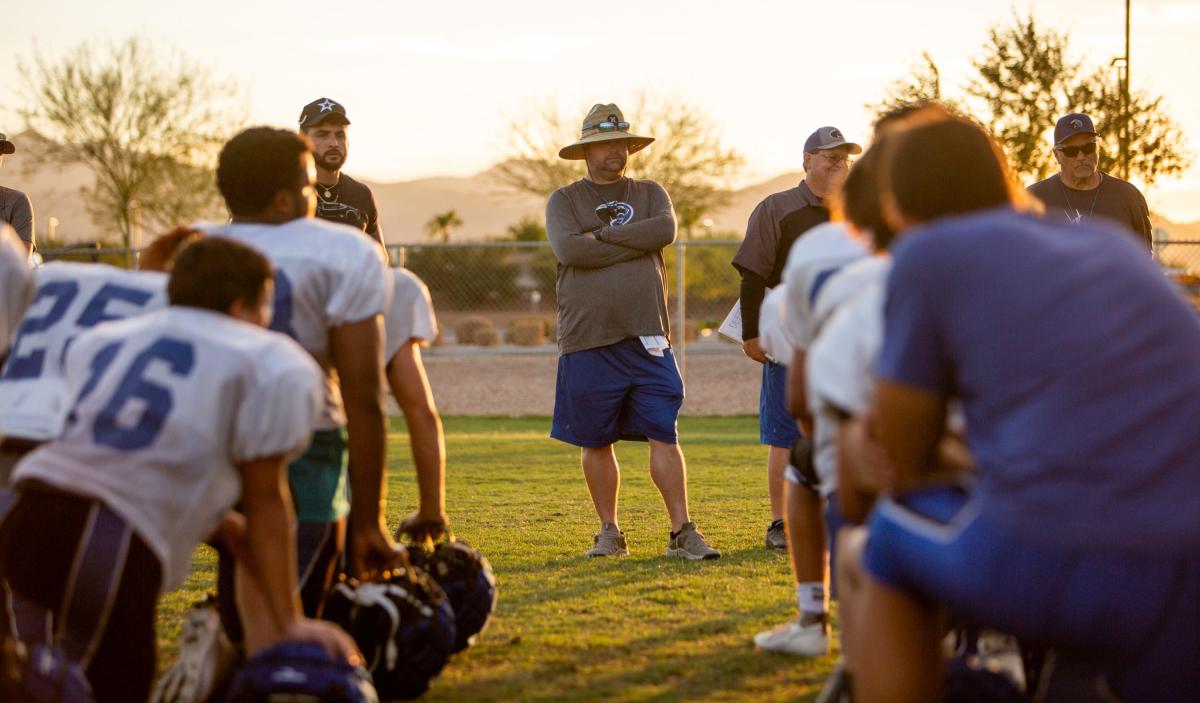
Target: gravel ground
{"points": [[719, 380]]}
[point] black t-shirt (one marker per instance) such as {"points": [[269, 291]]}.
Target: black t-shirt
{"points": [[1114, 200], [350, 203]]}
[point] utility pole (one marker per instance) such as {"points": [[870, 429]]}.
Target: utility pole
{"points": [[1125, 131]]}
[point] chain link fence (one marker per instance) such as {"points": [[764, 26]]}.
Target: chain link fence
{"points": [[500, 295]]}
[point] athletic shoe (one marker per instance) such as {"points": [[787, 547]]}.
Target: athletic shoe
{"points": [[776, 539], [609, 543], [689, 544], [810, 640]]}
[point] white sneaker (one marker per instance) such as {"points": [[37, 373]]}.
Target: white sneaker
{"points": [[795, 639]]}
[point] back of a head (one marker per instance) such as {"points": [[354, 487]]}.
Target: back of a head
{"points": [[257, 164], [946, 167], [859, 197], [214, 272], [160, 255]]}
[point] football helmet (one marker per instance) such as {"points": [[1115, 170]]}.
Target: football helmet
{"points": [[297, 671], [40, 673], [403, 625], [466, 577]]}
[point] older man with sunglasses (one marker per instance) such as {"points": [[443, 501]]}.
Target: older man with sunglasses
{"points": [[1080, 191]]}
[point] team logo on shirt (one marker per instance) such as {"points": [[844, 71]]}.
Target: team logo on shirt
{"points": [[341, 212], [620, 213]]}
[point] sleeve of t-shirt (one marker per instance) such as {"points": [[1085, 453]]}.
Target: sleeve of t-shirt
{"points": [[363, 286], [1140, 212], [373, 227], [21, 217], [772, 330], [282, 406], [757, 252], [16, 282], [914, 351], [411, 314]]}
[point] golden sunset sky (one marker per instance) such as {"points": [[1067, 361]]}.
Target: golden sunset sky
{"points": [[432, 87]]}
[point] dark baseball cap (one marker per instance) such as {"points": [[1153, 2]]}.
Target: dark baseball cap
{"points": [[6, 147], [322, 110], [828, 138], [1072, 124]]}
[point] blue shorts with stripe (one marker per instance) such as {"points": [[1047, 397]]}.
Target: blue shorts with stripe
{"points": [[1135, 617], [776, 426], [619, 391]]}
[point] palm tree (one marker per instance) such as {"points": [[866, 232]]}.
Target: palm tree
{"points": [[440, 225]]}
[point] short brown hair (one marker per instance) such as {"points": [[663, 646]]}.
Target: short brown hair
{"points": [[160, 255], [859, 196], [214, 272], [257, 164], [950, 166]]}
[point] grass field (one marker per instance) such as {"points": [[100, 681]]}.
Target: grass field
{"points": [[643, 628]]}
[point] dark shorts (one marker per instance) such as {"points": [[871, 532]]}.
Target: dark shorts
{"points": [[620, 391], [1137, 618], [40, 548], [776, 426]]}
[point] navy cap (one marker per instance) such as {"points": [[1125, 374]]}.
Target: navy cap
{"points": [[1072, 124], [828, 138], [322, 110], [6, 147]]}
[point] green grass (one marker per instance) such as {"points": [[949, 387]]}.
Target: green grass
{"points": [[643, 628]]}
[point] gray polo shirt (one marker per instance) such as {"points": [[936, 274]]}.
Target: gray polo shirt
{"points": [[760, 249], [613, 287]]}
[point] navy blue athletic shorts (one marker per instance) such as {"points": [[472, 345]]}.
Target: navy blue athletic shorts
{"points": [[1135, 617], [620, 391], [776, 426]]}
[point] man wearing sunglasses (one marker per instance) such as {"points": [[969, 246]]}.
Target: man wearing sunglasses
{"points": [[617, 378], [1080, 191]]}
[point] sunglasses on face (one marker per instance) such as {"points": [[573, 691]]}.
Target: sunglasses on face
{"points": [[1073, 151], [834, 157]]}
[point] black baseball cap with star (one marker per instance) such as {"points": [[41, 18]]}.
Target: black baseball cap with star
{"points": [[322, 110]]}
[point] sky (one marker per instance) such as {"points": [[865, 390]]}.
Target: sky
{"points": [[432, 88]]}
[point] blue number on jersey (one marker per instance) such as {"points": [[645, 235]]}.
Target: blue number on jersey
{"points": [[29, 364], [818, 281], [281, 318], [155, 399]]}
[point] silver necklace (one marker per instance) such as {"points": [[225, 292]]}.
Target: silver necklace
{"points": [[327, 191], [1095, 197]]}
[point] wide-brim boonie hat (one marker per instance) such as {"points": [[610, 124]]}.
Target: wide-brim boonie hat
{"points": [[604, 123]]}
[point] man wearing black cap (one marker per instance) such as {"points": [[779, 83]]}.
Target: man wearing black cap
{"points": [[340, 198], [774, 226], [1080, 191], [15, 208]]}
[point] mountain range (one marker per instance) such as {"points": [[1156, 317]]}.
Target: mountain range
{"points": [[485, 205]]}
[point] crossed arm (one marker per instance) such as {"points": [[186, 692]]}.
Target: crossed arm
{"points": [[600, 245]]}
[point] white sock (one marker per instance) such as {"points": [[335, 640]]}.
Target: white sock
{"points": [[810, 596]]}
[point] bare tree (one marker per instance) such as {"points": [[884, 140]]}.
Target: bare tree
{"points": [[147, 123], [687, 157]]}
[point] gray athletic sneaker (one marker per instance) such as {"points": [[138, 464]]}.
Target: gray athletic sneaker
{"points": [[776, 539], [609, 543], [689, 544]]}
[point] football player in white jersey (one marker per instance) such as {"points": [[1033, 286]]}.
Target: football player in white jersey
{"points": [[175, 415], [813, 264], [331, 288], [69, 299], [409, 325], [16, 287]]}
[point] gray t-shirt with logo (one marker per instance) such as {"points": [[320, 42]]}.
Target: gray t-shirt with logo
{"points": [[613, 287]]}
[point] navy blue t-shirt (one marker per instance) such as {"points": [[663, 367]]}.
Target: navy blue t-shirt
{"points": [[1078, 366]]}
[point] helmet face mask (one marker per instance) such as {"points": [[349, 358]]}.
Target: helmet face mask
{"points": [[466, 577], [404, 627]]}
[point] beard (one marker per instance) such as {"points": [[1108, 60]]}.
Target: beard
{"points": [[331, 160]]}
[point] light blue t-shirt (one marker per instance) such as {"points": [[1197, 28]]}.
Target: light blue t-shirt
{"points": [[1078, 366]]}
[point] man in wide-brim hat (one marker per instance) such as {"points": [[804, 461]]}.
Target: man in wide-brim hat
{"points": [[617, 377]]}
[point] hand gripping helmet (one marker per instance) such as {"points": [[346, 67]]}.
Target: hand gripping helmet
{"points": [[297, 671], [404, 626], [466, 577]]}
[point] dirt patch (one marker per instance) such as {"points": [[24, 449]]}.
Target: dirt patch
{"points": [[717, 382]]}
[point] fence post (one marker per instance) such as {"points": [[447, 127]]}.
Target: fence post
{"points": [[681, 254]]}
